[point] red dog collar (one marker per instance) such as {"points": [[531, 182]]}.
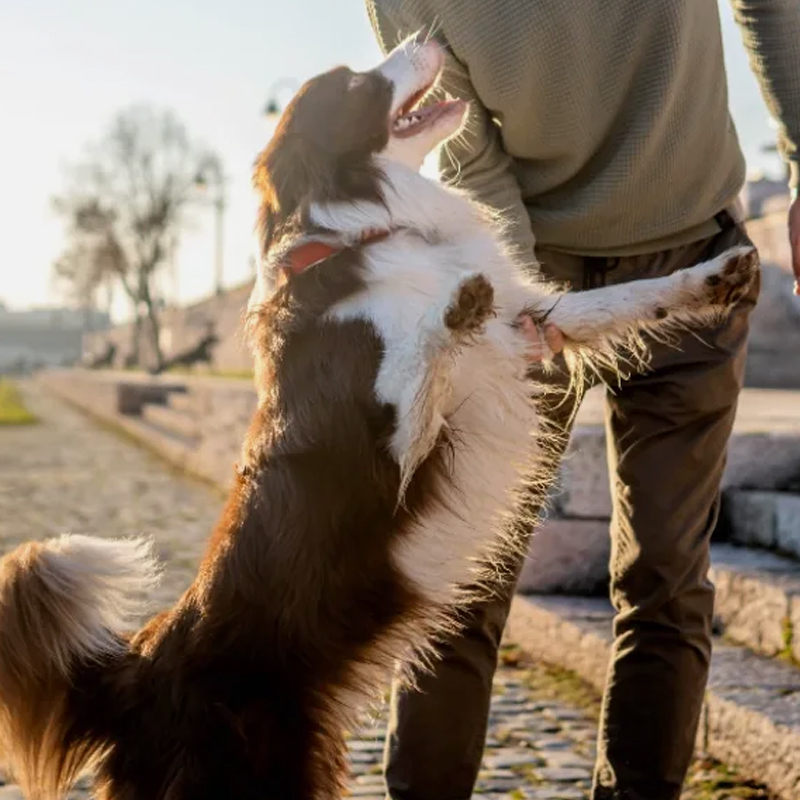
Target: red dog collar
{"points": [[306, 255]]}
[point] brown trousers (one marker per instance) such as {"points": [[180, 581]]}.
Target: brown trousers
{"points": [[667, 432]]}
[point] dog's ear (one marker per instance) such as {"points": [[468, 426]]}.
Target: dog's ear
{"points": [[286, 177], [265, 230]]}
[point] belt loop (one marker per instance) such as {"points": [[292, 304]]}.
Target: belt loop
{"points": [[724, 219], [594, 271]]}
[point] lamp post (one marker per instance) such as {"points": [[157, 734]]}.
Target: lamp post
{"points": [[273, 107], [211, 177]]}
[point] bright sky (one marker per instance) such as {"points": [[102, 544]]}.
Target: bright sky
{"points": [[66, 66]]}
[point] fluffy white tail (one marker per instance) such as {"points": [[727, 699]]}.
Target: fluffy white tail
{"points": [[63, 603]]}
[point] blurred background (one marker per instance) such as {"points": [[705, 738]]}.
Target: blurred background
{"points": [[187, 91]]}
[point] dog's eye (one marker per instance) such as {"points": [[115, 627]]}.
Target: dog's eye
{"points": [[356, 81]]}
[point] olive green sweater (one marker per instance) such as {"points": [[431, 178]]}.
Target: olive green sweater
{"points": [[603, 122]]}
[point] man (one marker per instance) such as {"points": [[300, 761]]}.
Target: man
{"points": [[602, 131]]}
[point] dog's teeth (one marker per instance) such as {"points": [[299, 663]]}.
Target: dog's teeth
{"points": [[401, 123]]}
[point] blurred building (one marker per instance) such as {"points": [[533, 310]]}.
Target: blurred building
{"points": [[45, 336], [181, 330], [761, 194]]}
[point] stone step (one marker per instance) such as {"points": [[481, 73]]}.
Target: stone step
{"points": [[172, 420], [751, 716], [757, 597], [568, 556], [182, 401], [764, 452], [762, 519], [165, 442]]}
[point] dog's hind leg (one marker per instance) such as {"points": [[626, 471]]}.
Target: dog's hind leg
{"points": [[424, 366], [602, 319]]}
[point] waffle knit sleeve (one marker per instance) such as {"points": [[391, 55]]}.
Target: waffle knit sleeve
{"points": [[771, 34], [475, 160]]}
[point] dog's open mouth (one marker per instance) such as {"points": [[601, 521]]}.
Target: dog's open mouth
{"points": [[411, 120]]}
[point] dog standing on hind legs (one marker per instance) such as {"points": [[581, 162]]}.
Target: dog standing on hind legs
{"points": [[395, 437]]}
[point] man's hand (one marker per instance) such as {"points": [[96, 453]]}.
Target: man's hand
{"points": [[544, 344], [794, 241]]}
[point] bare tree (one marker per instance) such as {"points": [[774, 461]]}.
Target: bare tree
{"points": [[125, 207]]}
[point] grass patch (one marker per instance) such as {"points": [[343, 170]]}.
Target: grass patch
{"points": [[12, 409], [546, 680], [234, 374], [787, 652]]}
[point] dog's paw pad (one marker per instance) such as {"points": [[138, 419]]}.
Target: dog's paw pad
{"points": [[731, 283], [473, 304]]}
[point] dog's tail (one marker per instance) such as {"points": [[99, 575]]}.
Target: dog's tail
{"points": [[64, 607]]}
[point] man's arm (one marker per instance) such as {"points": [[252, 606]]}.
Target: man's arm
{"points": [[475, 160], [771, 34]]}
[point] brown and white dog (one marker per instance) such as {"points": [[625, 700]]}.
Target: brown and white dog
{"points": [[395, 436]]}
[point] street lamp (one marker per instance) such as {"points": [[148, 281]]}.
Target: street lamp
{"points": [[211, 177], [273, 107]]}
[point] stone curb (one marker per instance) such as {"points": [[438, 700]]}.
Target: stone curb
{"points": [[196, 457], [568, 556], [168, 447], [757, 599], [751, 717], [757, 592], [173, 419]]}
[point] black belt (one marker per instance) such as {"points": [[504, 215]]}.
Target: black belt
{"points": [[595, 268], [725, 220]]}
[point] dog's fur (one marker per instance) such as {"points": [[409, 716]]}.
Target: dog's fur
{"points": [[395, 439]]}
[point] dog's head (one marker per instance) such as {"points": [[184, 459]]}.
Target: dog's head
{"points": [[332, 137]]}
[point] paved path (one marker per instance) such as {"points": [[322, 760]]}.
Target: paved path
{"points": [[68, 474]]}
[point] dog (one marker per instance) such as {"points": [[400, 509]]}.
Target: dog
{"points": [[396, 438]]}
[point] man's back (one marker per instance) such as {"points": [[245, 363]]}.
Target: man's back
{"points": [[615, 113]]}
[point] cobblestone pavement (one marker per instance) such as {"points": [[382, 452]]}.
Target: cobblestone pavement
{"points": [[68, 474]]}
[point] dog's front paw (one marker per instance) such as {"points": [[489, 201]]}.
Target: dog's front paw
{"points": [[729, 283], [472, 304]]}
